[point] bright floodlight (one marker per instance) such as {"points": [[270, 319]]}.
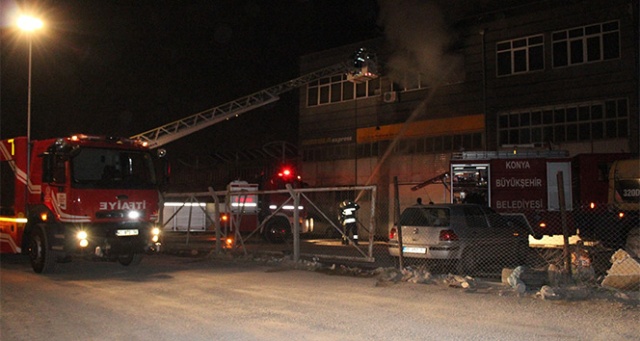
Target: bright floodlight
{"points": [[28, 23]]}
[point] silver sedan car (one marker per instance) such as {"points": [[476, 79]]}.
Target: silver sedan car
{"points": [[469, 235]]}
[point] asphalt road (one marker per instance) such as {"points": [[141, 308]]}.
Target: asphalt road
{"points": [[185, 298]]}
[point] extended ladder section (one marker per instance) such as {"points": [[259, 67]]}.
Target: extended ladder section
{"points": [[175, 130]]}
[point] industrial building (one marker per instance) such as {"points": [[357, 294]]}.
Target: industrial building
{"points": [[498, 76]]}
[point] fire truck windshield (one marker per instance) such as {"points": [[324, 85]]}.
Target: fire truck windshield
{"points": [[112, 168]]}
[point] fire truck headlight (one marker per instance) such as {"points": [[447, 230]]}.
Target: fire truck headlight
{"points": [[82, 237], [133, 214], [155, 234]]}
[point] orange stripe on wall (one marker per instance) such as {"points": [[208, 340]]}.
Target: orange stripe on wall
{"points": [[441, 126]]}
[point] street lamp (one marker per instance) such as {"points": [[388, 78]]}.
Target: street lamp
{"points": [[29, 24]]}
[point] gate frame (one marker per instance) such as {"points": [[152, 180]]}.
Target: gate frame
{"points": [[295, 194]]}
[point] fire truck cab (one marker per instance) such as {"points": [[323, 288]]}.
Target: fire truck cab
{"points": [[91, 196]]}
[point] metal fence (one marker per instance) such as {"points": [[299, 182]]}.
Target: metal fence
{"points": [[248, 220], [581, 245]]}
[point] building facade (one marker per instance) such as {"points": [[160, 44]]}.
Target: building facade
{"points": [[545, 75]]}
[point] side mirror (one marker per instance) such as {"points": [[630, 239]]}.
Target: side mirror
{"points": [[165, 167], [166, 171], [47, 168]]}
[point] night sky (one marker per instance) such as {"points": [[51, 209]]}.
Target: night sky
{"points": [[124, 67]]}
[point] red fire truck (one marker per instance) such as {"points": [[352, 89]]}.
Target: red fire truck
{"points": [[266, 208], [528, 182], [80, 195], [98, 196]]}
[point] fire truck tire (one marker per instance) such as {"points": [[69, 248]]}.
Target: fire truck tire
{"points": [[275, 231], [131, 259], [43, 260]]}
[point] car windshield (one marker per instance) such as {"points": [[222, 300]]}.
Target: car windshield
{"points": [[425, 216], [112, 168]]}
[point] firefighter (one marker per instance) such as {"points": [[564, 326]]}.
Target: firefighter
{"points": [[348, 219]]}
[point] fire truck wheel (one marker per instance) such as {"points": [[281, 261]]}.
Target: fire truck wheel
{"points": [[131, 259], [43, 260], [275, 231]]}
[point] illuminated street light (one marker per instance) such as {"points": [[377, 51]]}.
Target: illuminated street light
{"points": [[29, 24]]}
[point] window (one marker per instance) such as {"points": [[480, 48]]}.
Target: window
{"points": [[112, 168], [337, 89], [520, 55], [574, 122], [425, 216], [421, 145], [439, 144], [59, 169], [410, 81], [586, 44]]}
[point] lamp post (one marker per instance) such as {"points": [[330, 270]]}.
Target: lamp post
{"points": [[29, 24]]}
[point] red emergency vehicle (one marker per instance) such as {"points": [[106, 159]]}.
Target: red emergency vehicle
{"points": [[79, 195], [267, 208], [528, 182]]}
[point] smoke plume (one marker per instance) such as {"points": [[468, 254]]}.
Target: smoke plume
{"points": [[420, 41]]}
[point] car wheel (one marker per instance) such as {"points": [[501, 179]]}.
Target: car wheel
{"points": [[130, 259], [43, 260]]}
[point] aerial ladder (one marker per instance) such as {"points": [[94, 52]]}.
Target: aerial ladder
{"points": [[361, 68]]}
